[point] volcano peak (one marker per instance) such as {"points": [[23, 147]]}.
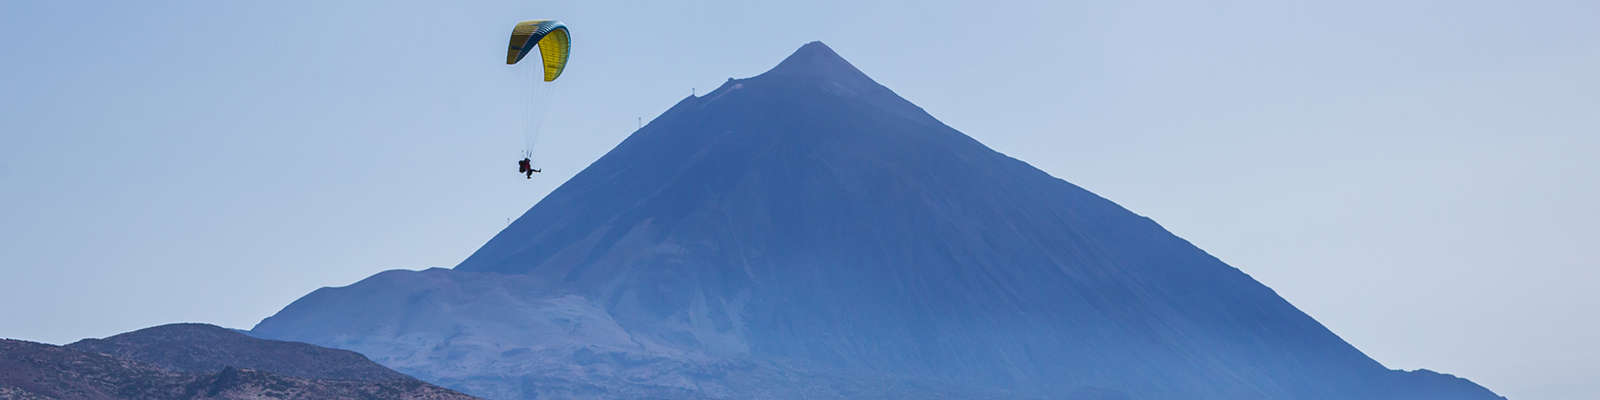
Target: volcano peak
{"points": [[816, 60]]}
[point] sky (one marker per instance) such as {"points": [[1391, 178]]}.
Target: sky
{"points": [[1419, 176]]}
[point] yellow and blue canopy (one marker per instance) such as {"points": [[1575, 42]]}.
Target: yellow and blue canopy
{"points": [[552, 39]]}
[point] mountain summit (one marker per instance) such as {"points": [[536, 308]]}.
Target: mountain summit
{"points": [[816, 61], [808, 233]]}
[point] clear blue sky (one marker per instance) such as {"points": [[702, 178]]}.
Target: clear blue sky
{"points": [[1419, 176]]}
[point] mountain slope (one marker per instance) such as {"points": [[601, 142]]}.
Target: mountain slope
{"points": [[810, 221]]}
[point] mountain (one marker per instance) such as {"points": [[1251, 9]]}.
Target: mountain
{"points": [[808, 233], [150, 365]]}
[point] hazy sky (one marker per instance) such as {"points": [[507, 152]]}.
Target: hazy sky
{"points": [[1419, 176]]}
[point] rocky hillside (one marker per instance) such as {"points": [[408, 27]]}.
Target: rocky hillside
{"points": [[142, 367], [209, 348]]}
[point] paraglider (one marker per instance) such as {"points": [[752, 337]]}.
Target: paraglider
{"points": [[525, 166], [554, 42]]}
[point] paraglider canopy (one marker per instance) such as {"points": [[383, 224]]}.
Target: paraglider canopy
{"points": [[552, 39]]}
